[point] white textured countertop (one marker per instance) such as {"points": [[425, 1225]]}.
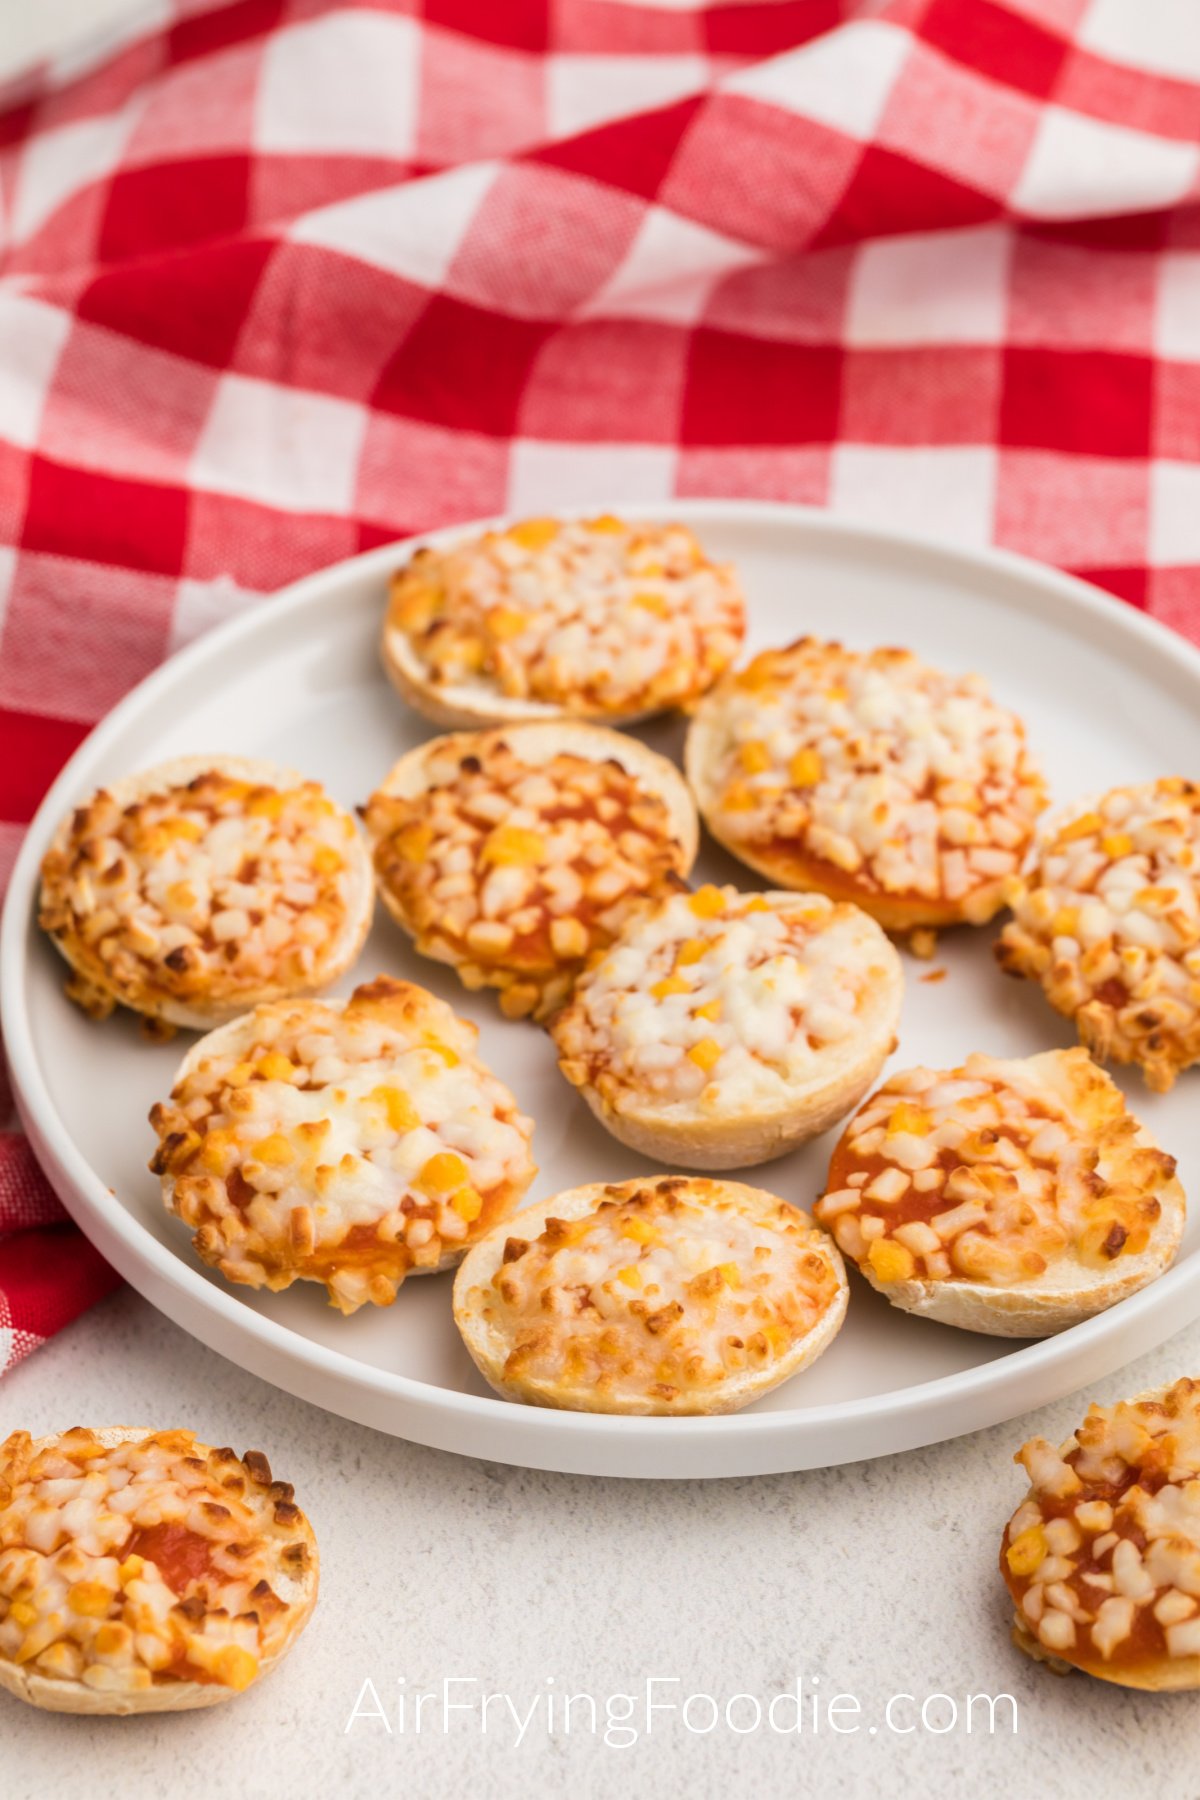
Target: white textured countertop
{"points": [[879, 1579]]}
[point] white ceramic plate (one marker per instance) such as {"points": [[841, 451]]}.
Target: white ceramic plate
{"points": [[1108, 697]]}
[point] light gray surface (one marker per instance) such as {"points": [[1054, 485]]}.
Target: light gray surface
{"points": [[880, 1578]]}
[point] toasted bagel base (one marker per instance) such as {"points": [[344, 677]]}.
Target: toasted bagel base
{"points": [[489, 1348], [51, 1694], [696, 1138], [790, 868], [470, 705], [197, 1016], [538, 741], [1065, 1294]]}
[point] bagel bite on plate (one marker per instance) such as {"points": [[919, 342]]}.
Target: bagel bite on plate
{"points": [[204, 886], [721, 1029], [1107, 920], [1013, 1197], [672, 1295], [514, 854], [550, 618], [868, 776], [347, 1142]]}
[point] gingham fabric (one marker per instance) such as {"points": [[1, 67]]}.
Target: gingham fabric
{"points": [[284, 279]]}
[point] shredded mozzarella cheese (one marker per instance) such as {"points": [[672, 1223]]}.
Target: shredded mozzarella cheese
{"points": [[146, 1564], [718, 999], [343, 1145], [993, 1172], [902, 780], [1108, 921], [597, 617], [1108, 1541]]}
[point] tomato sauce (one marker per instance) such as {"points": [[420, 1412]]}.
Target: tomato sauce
{"points": [[532, 949], [182, 1557], [1148, 1638]]}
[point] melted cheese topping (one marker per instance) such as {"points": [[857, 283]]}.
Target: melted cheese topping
{"points": [[200, 893], [662, 1293], [719, 1000], [1103, 1558], [515, 872], [904, 781], [991, 1173], [347, 1146], [599, 618], [1108, 921], [155, 1562]]}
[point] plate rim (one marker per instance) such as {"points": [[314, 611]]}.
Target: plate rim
{"points": [[761, 1439]]}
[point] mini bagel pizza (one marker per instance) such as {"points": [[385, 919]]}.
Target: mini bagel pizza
{"points": [[671, 1295], [141, 1571], [1108, 921], [870, 777], [349, 1142], [204, 886], [1102, 1557], [514, 854], [722, 1029], [588, 618], [1008, 1197]]}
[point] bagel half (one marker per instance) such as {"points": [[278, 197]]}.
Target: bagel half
{"points": [[461, 705], [1105, 921], [1042, 1200], [646, 1297], [549, 618], [1118, 1501], [722, 1029], [349, 1142], [278, 1585], [870, 777], [180, 885], [566, 827]]}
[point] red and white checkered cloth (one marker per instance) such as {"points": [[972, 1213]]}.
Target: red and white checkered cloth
{"points": [[281, 280]]}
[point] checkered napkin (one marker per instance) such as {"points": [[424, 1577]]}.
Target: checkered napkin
{"points": [[284, 279]]}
